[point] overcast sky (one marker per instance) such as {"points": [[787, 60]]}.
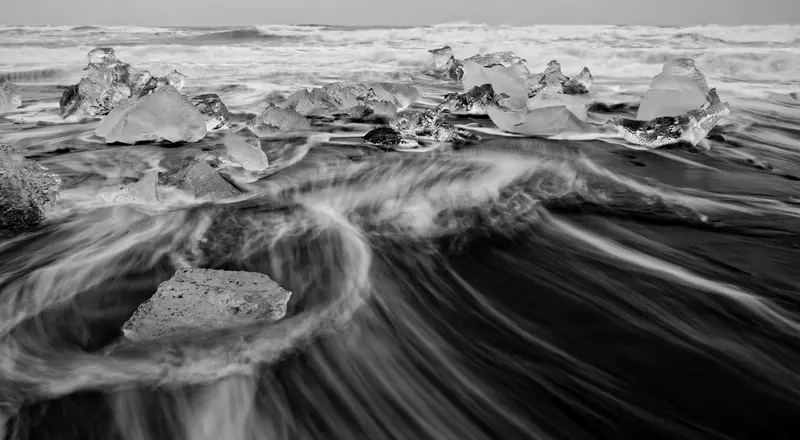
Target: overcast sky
{"points": [[397, 12]]}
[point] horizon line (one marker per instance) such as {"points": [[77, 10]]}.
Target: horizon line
{"points": [[454, 24]]}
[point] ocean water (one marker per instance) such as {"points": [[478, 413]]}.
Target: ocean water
{"points": [[517, 288]]}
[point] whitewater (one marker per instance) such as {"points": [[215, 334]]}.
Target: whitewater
{"points": [[516, 288]]}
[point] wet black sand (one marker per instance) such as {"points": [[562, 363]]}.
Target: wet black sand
{"points": [[634, 375]]}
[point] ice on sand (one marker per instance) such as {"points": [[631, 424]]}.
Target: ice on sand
{"points": [[275, 120], [692, 126], [246, 152], [165, 114], [10, 95], [144, 191], [679, 88], [574, 103], [544, 121], [503, 80]]}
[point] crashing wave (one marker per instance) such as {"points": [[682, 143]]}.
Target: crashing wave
{"points": [[238, 36], [28, 76]]}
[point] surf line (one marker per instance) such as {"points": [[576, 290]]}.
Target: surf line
{"points": [[668, 270]]}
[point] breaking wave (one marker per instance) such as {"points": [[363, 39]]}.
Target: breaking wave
{"points": [[27, 76], [746, 54], [238, 36]]}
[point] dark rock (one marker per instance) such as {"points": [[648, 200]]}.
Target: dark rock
{"points": [[441, 50], [213, 110], [580, 84], [716, 137], [108, 82], [10, 96], [383, 136], [27, 190], [621, 107]]}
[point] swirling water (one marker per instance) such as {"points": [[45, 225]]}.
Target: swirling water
{"points": [[518, 288]]}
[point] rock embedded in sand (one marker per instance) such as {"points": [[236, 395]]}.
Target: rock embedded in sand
{"points": [[27, 190], [200, 180], [473, 102], [691, 127], [213, 110], [383, 136], [107, 82], [205, 299], [678, 89], [144, 191], [274, 120], [10, 96], [163, 115]]}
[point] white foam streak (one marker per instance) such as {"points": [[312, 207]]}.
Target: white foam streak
{"points": [[736, 58], [684, 276]]}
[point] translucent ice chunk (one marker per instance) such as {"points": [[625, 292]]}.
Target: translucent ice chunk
{"points": [[690, 127], [277, 120], [143, 191], [164, 114], [543, 121], [575, 103], [440, 56], [10, 95], [338, 97], [246, 152], [679, 88], [503, 80]]}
